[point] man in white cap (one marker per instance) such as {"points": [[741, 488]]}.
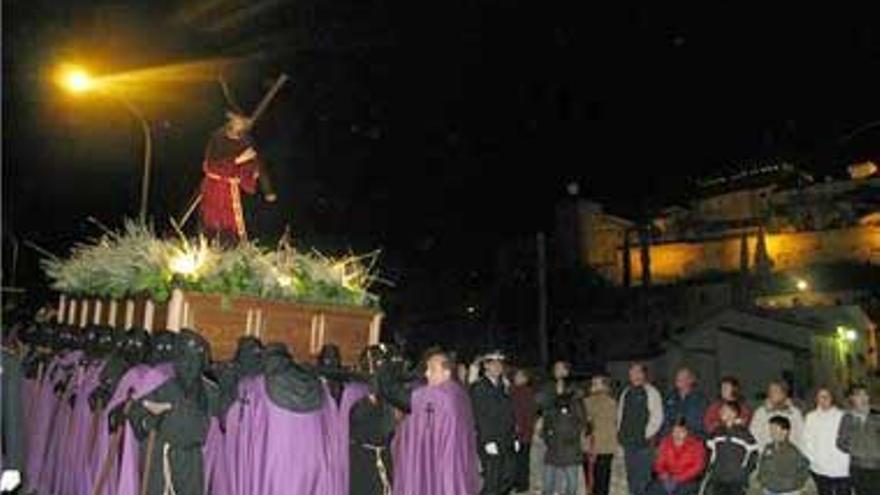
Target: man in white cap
{"points": [[496, 427]]}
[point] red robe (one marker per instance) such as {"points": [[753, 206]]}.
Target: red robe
{"points": [[221, 210]]}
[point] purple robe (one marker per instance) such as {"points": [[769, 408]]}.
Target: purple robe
{"points": [[124, 475], [216, 469], [69, 427], [290, 449], [79, 455], [51, 476], [337, 417], [40, 466], [240, 446], [38, 424], [30, 389], [34, 424], [435, 451]]}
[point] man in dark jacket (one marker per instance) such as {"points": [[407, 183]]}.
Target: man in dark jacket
{"points": [[685, 401], [563, 429], [859, 436], [734, 453], [496, 427], [640, 417]]}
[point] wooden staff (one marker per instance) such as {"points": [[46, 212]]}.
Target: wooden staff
{"points": [[111, 453], [148, 462], [151, 444]]}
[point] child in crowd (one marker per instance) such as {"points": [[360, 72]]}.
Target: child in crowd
{"points": [[784, 470], [680, 462], [734, 453]]}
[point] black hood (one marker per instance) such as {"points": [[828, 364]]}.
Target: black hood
{"points": [[107, 337], [90, 337], [134, 345], [289, 385], [162, 347], [330, 357], [374, 357], [192, 354], [47, 336], [249, 356], [69, 338], [30, 335], [62, 338]]}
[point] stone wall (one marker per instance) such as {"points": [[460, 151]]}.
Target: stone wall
{"points": [[679, 261]]}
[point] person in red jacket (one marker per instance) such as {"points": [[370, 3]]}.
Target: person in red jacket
{"points": [[729, 392], [525, 411], [680, 462]]}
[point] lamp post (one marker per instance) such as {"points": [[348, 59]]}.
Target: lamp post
{"points": [[77, 80]]}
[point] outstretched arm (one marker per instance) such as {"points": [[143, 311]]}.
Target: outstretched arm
{"points": [[393, 387], [266, 186]]}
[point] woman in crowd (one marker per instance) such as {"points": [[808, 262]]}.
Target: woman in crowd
{"points": [[829, 465], [601, 410], [730, 391]]}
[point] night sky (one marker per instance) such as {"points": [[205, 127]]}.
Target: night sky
{"points": [[436, 131]]}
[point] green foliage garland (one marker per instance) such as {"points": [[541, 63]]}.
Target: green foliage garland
{"points": [[136, 262]]}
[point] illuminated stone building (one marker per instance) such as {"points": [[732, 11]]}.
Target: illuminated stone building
{"points": [[775, 213]]}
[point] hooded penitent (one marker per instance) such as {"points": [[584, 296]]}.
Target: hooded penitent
{"points": [[50, 413], [177, 459], [90, 341], [288, 384], [139, 380], [82, 435], [283, 403], [129, 350], [107, 339], [136, 345], [161, 347], [49, 336], [371, 426], [341, 395], [237, 380], [229, 446], [191, 357], [249, 356], [63, 428]]}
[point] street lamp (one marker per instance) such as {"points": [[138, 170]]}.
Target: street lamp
{"points": [[802, 285], [846, 333], [77, 80]]}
